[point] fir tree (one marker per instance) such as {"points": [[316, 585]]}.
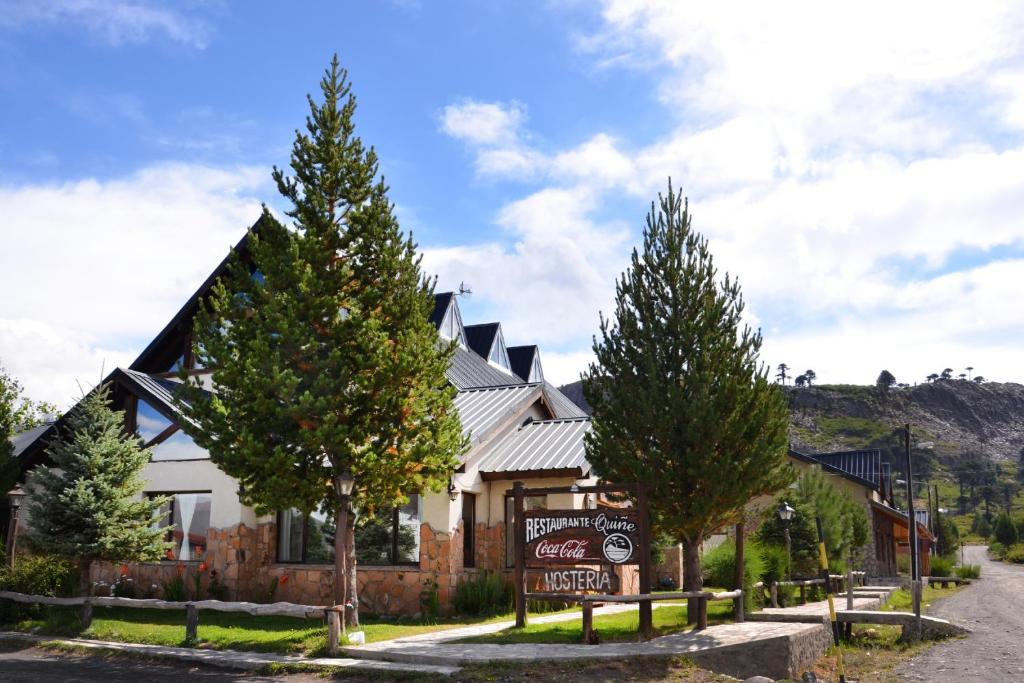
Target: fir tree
{"points": [[88, 506], [679, 400], [324, 359]]}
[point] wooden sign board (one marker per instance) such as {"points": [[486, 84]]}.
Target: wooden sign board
{"points": [[573, 537], [578, 580]]}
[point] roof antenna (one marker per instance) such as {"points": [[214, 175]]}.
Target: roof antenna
{"points": [[464, 289]]}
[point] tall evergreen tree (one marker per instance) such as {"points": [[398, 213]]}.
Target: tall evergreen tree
{"points": [[680, 402], [88, 506], [323, 356]]}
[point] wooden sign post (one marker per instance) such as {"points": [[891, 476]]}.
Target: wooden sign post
{"points": [[578, 549]]}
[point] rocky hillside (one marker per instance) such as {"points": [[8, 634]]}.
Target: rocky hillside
{"points": [[953, 414]]}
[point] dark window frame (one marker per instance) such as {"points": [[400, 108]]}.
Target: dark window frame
{"points": [[469, 531], [393, 552], [304, 543], [169, 536]]}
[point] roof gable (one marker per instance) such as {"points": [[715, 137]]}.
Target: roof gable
{"points": [[521, 359]]}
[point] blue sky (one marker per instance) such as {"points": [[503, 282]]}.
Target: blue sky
{"points": [[862, 177]]}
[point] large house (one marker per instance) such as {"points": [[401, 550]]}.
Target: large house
{"points": [[518, 425]]}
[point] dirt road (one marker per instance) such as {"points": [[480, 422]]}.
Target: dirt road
{"points": [[993, 608]]}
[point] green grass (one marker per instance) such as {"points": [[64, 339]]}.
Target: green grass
{"points": [[222, 631], [610, 628], [900, 601]]}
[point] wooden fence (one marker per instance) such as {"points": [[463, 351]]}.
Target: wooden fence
{"points": [[588, 602], [838, 582], [277, 609]]}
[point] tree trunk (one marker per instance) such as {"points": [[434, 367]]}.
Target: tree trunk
{"points": [[692, 579], [352, 615]]}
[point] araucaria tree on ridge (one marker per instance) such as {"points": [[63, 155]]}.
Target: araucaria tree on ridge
{"points": [[325, 364], [680, 401], [88, 506]]}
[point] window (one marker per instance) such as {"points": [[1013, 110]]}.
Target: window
{"points": [[451, 326], [536, 374], [306, 539], [468, 530], [165, 438], [187, 519], [499, 356], [530, 503], [391, 537]]}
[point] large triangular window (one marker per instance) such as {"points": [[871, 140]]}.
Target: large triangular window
{"points": [[451, 326], [536, 374], [499, 356]]}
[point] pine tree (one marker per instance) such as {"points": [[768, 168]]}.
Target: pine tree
{"points": [[679, 400], [88, 506], [324, 359]]}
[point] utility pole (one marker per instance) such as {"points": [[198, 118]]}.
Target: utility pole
{"points": [[915, 575]]}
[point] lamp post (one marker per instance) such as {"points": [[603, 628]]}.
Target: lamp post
{"points": [[343, 485], [786, 515], [15, 496]]}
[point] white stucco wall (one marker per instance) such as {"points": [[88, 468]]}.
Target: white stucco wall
{"points": [[176, 476]]}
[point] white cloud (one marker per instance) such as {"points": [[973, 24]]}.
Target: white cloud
{"points": [[94, 269], [855, 166], [483, 123], [116, 22]]}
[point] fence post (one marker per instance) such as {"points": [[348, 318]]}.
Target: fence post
{"points": [[803, 594], [333, 631], [702, 614], [737, 608], [738, 575], [191, 623], [588, 621], [775, 593], [85, 614]]}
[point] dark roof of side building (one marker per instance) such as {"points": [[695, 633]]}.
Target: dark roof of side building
{"points": [[521, 359], [22, 440], [832, 465], [480, 337]]}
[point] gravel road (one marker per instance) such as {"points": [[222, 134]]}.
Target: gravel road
{"points": [[993, 608]]}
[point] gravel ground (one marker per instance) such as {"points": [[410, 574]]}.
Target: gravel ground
{"points": [[993, 608]]}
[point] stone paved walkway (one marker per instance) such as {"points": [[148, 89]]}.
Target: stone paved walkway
{"points": [[232, 659], [818, 611]]}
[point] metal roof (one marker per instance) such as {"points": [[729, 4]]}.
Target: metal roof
{"points": [[22, 440], [480, 410], [441, 303], [468, 371], [545, 445], [865, 465], [480, 337], [560, 404], [521, 360]]}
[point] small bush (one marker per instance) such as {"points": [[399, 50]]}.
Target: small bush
{"points": [[903, 564], [941, 567], [1015, 554], [997, 550], [35, 575], [430, 603], [774, 563], [1004, 530], [484, 595], [174, 590], [969, 571]]}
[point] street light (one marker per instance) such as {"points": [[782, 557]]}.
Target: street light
{"points": [[453, 493], [15, 496], [343, 485], [786, 513]]}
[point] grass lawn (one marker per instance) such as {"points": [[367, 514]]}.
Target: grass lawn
{"points": [[610, 627], [221, 630], [900, 601]]}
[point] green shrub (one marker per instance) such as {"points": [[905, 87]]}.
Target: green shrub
{"points": [[942, 567], [430, 602], [903, 563], [969, 571], [35, 575], [174, 590], [1004, 530], [1015, 554], [484, 595], [773, 564], [980, 525], [997, 550], [719, 568]]}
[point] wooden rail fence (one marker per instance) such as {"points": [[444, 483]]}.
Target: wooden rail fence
{"points": [[276, 609], [587, 602], [838, 583]]}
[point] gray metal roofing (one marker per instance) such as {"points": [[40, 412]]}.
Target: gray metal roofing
{"points": [[21, 440], [468, 370], [561, 404], [542, 445], [864, 464], [481, 337], [480, 410]]}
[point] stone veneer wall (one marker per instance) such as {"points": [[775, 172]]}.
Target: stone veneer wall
{"points": [[245, 559]]}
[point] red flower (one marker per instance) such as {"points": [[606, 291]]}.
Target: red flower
{"points": [[181, 569], [124, 570], [169, 554], [283, 580], [202, 567]]}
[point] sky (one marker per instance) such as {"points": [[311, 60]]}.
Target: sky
{"points": [[858, 167]]}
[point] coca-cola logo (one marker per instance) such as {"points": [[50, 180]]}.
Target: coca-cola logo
{"points": [[571, 549]]}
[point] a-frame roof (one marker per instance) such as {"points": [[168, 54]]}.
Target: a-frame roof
{"points": [[521, 360], [481, 337]]}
